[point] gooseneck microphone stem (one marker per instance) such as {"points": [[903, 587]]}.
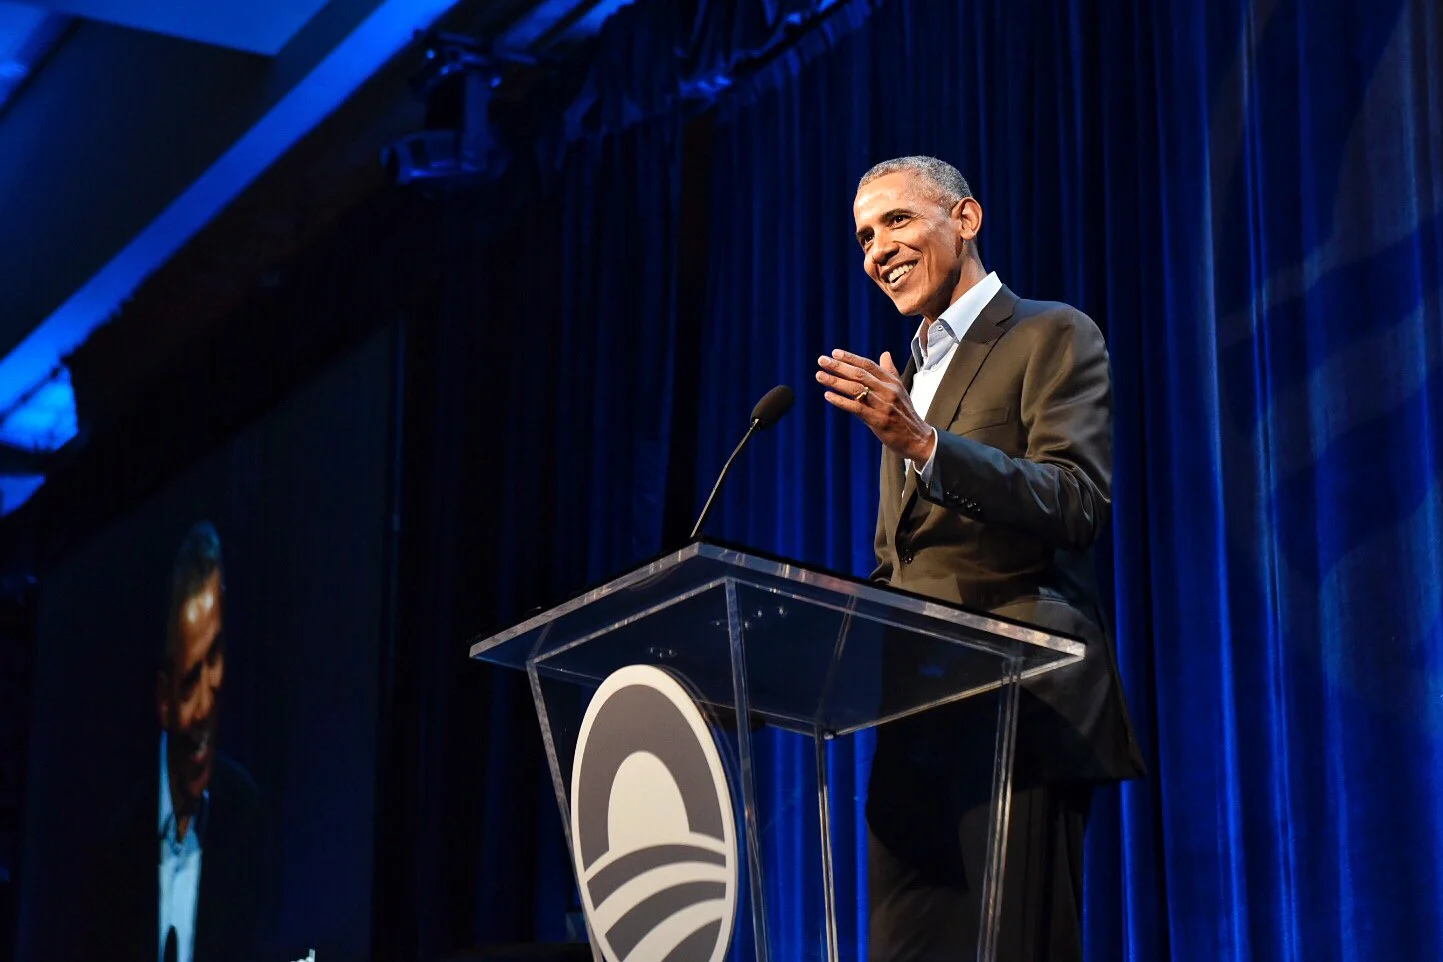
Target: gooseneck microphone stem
{"points": [[711, 498], [769, 410]]}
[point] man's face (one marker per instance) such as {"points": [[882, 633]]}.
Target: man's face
{"points": [[188, 696], [913, 246]]}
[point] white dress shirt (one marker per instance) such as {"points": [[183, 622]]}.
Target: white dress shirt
{"points": [[179, 870], [933, 349]]}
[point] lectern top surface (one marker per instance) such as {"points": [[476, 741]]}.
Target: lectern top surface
{"points": [[815, 650], [700, 564]]}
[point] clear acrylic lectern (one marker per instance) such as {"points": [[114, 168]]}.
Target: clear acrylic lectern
{"points": [[765, 643]]}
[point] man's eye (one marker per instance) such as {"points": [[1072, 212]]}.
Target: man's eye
{"points": [[898, 219]]}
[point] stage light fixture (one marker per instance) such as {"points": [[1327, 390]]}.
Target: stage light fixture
{"points": [[457, 83]]}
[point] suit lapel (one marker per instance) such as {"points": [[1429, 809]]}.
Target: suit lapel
{"points": [[962, 370]]}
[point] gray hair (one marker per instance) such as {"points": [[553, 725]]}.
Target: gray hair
{"points": [[948, 180]]}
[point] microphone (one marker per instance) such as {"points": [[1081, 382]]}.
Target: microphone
{"points": [[769, 410]]}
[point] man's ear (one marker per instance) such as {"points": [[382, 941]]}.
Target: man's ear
{"points": [[966, 217], [968, 213]]}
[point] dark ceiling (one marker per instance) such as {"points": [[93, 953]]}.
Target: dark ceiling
{"points": [[124, 137]]}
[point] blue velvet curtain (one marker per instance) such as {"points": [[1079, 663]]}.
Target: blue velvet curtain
{"points": [[1246, 195], [1247, 198]]}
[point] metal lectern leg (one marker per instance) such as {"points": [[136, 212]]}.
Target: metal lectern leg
{"points": [[824, 801], [749, 789], [1001, 811]]}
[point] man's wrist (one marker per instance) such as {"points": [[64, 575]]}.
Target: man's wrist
{"points": [[923, 454]]}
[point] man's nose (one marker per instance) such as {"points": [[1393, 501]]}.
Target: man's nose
{"points": [[882, 249]]}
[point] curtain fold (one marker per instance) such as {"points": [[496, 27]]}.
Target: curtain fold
{"points": [[538, 436]]}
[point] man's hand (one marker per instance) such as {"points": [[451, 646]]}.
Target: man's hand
{"points": [[885, 407]]}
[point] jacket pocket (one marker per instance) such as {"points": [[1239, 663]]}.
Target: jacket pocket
{"points": [[969, 421]]}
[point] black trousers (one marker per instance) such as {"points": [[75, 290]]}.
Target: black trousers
{"points": [[929, 818]]}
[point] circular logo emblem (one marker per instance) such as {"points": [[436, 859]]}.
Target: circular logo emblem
{"points": [[652, 829]]}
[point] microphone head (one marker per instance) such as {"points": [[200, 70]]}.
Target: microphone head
{"points": [[772, 406]]}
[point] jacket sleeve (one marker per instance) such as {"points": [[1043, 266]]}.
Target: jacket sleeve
{"points": [[1060, 489], [883, 571]]}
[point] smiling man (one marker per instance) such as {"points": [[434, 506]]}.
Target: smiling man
{"points": [[995, 483], [189, 683], [188, 700], [187, 873]]}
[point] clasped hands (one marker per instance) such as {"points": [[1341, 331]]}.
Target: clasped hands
{"points": [[874, 394]]}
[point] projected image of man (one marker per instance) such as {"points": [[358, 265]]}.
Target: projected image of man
{"points": [[186, 877], [188, 699]]}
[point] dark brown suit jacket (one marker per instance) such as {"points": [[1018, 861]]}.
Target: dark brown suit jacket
{"points": [[1020, 490], [238, 878]]}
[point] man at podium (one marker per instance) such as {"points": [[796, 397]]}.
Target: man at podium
{"points": [[992, 500]]}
